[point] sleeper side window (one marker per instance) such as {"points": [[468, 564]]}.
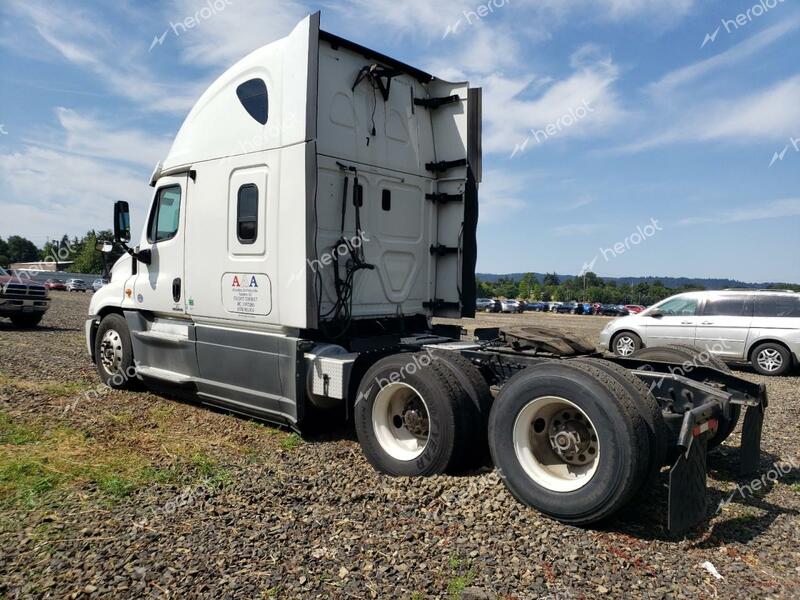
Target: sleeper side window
{"points": [[253, 96], [165, 216], [247, 214]]}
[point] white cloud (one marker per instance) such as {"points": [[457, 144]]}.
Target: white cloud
{"points": [[777, 209], [509, 117], [56, 192], [504, 193], [78, 37], [769, 114], [575, 204], [573, 229], [91, 137], [664, 87], [231, 33]]}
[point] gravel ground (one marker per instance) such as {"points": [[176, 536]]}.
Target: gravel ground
{"points": [[130, 494]]}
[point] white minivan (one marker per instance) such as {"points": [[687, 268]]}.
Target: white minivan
{"points": [[761, 327]]}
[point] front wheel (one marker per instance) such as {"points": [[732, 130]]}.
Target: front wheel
{"points": [[113, 353], [626, 343], [771, 359]]}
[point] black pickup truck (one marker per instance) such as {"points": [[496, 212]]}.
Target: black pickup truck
{"points": [[24, 302]]}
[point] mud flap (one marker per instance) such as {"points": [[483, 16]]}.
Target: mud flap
{"points": [[687, 487], [750, 450]]}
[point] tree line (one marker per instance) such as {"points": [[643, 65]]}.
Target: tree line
{"points": [[587, 288], [79, 251]]}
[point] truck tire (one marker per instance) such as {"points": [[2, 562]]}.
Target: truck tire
{"points": [[681, 354], [625, 343], [26, 321], [567, 440], [114, 353], [409, 416], [477, 410], [657, 431], [771, 359]]}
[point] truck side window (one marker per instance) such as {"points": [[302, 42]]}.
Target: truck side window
{"points": [[165, 216], [253, 96], [247, 214]]}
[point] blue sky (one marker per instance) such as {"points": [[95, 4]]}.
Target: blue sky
{"points": [[629, 119]]}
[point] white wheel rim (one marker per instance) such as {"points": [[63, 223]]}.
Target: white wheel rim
{"points": [[770, 360], [556, 444], [626, 346], [111, 352], [400, 420]]}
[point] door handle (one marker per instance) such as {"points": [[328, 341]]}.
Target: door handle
{"points": [[176, 289], [707, 323], [686, 323]]}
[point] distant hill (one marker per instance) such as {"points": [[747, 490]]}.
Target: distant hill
{"points": [[669, 282]]}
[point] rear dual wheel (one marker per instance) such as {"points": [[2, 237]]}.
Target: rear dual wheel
{"points": [[570, 440], [422, 413]]}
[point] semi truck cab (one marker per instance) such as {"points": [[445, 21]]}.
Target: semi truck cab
{"points": [[318, 192]]}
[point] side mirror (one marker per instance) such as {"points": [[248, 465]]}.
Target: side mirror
{"points": [[103, 246], [656, 314], [122, 222]]}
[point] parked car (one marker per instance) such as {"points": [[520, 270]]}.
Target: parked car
{"points": [[536, 306], [24, 302], [553, 306], [634, 309], [76, 285], [511, 306], [489, 305], [759, 327], [55, 284], [98, 283], [613, 310], [567, 308]]}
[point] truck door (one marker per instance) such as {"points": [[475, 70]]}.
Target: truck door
{"points": [[159, 286], [455, 113]]}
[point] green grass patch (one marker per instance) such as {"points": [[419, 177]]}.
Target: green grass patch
{"points": [[795, 487], [13, 434], [61, 389], [39, 464], [291, 441], [460, 579]]}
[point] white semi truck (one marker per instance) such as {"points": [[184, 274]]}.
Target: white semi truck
{"points": [[317, 209]]}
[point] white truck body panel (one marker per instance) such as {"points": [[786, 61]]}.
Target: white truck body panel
{"points": [[246, 217]]}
